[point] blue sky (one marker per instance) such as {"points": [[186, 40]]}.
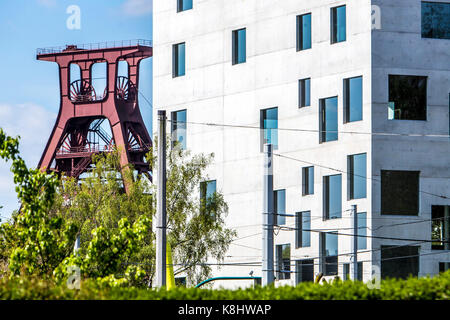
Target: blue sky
{"points": [[29, 94]]}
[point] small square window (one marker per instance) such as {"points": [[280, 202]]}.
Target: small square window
{"points": [[435, 20], [407, 97], [239, 46], [403, 185], [304, 32], [304, 93], [338, 24]]}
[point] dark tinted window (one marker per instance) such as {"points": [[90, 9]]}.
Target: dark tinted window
{"points": [[179, 60], [338, 24], [304, 93], [399, 262], [305, 270], [303, 224], [184, 5], [239, 46], [308, 180], [407, 98], [436, 20], [328, 119], [283, 253], [400, 192]]}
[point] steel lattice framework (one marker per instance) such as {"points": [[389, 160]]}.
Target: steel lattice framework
{"points": [[78, 131]]}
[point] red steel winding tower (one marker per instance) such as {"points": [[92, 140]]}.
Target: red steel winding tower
{"points": [[78, 132]]}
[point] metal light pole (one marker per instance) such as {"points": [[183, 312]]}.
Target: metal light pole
{"points": [[161, 238], [268, 218], [355, 242]]}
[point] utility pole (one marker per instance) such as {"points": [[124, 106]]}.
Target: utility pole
{"points": [[355, 242], [268, 218], [161, 205]]}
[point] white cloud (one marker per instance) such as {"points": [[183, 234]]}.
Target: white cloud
{"points": [[138, 7], [33, 124]]}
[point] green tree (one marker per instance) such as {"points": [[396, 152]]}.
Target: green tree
{"points": [[195, 237]]}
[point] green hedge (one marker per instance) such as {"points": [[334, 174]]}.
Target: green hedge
{"points": [[411, 289]]}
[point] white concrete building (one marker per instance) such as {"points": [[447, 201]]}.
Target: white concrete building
{"points": [[396, 57]]}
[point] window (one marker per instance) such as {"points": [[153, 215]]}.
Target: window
{"points": [[179, 128], [332, 193], [402, 185], [207, 194], [407, 98], [362, 230], [330, 253], [304, 270], [180, 281], [346, 271], [183, 5], [308, 180], [304, 32], [283, 253], [360, 271], [435, 20], [304, 93], [444, 266], [353, 99], [239, 46], [269, 124], [303, 224], [357, 169], [338, 24], [328, 119], [440, 227], [399, 261], [279, 204], [179, 60]]}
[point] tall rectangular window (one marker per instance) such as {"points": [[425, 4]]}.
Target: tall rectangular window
{"points": [[353, 99], [346, 271], [407, 97], [332, 193], [304, 32], [329, 253], [269, 126], [178, 128], [279, 204], [328, 119], [308, 180], [399, 261], [283, 256], [179, 60], [304, 270], [357, 169], [360, 271], [183, 5], [239, 46], [435, 20], [304, 93], [400, 192], [302, 227], [338, 24], [440, 227], [207, 193], [362, 230]]}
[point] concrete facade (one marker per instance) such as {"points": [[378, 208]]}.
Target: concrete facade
{"points": [[216, 91]]}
